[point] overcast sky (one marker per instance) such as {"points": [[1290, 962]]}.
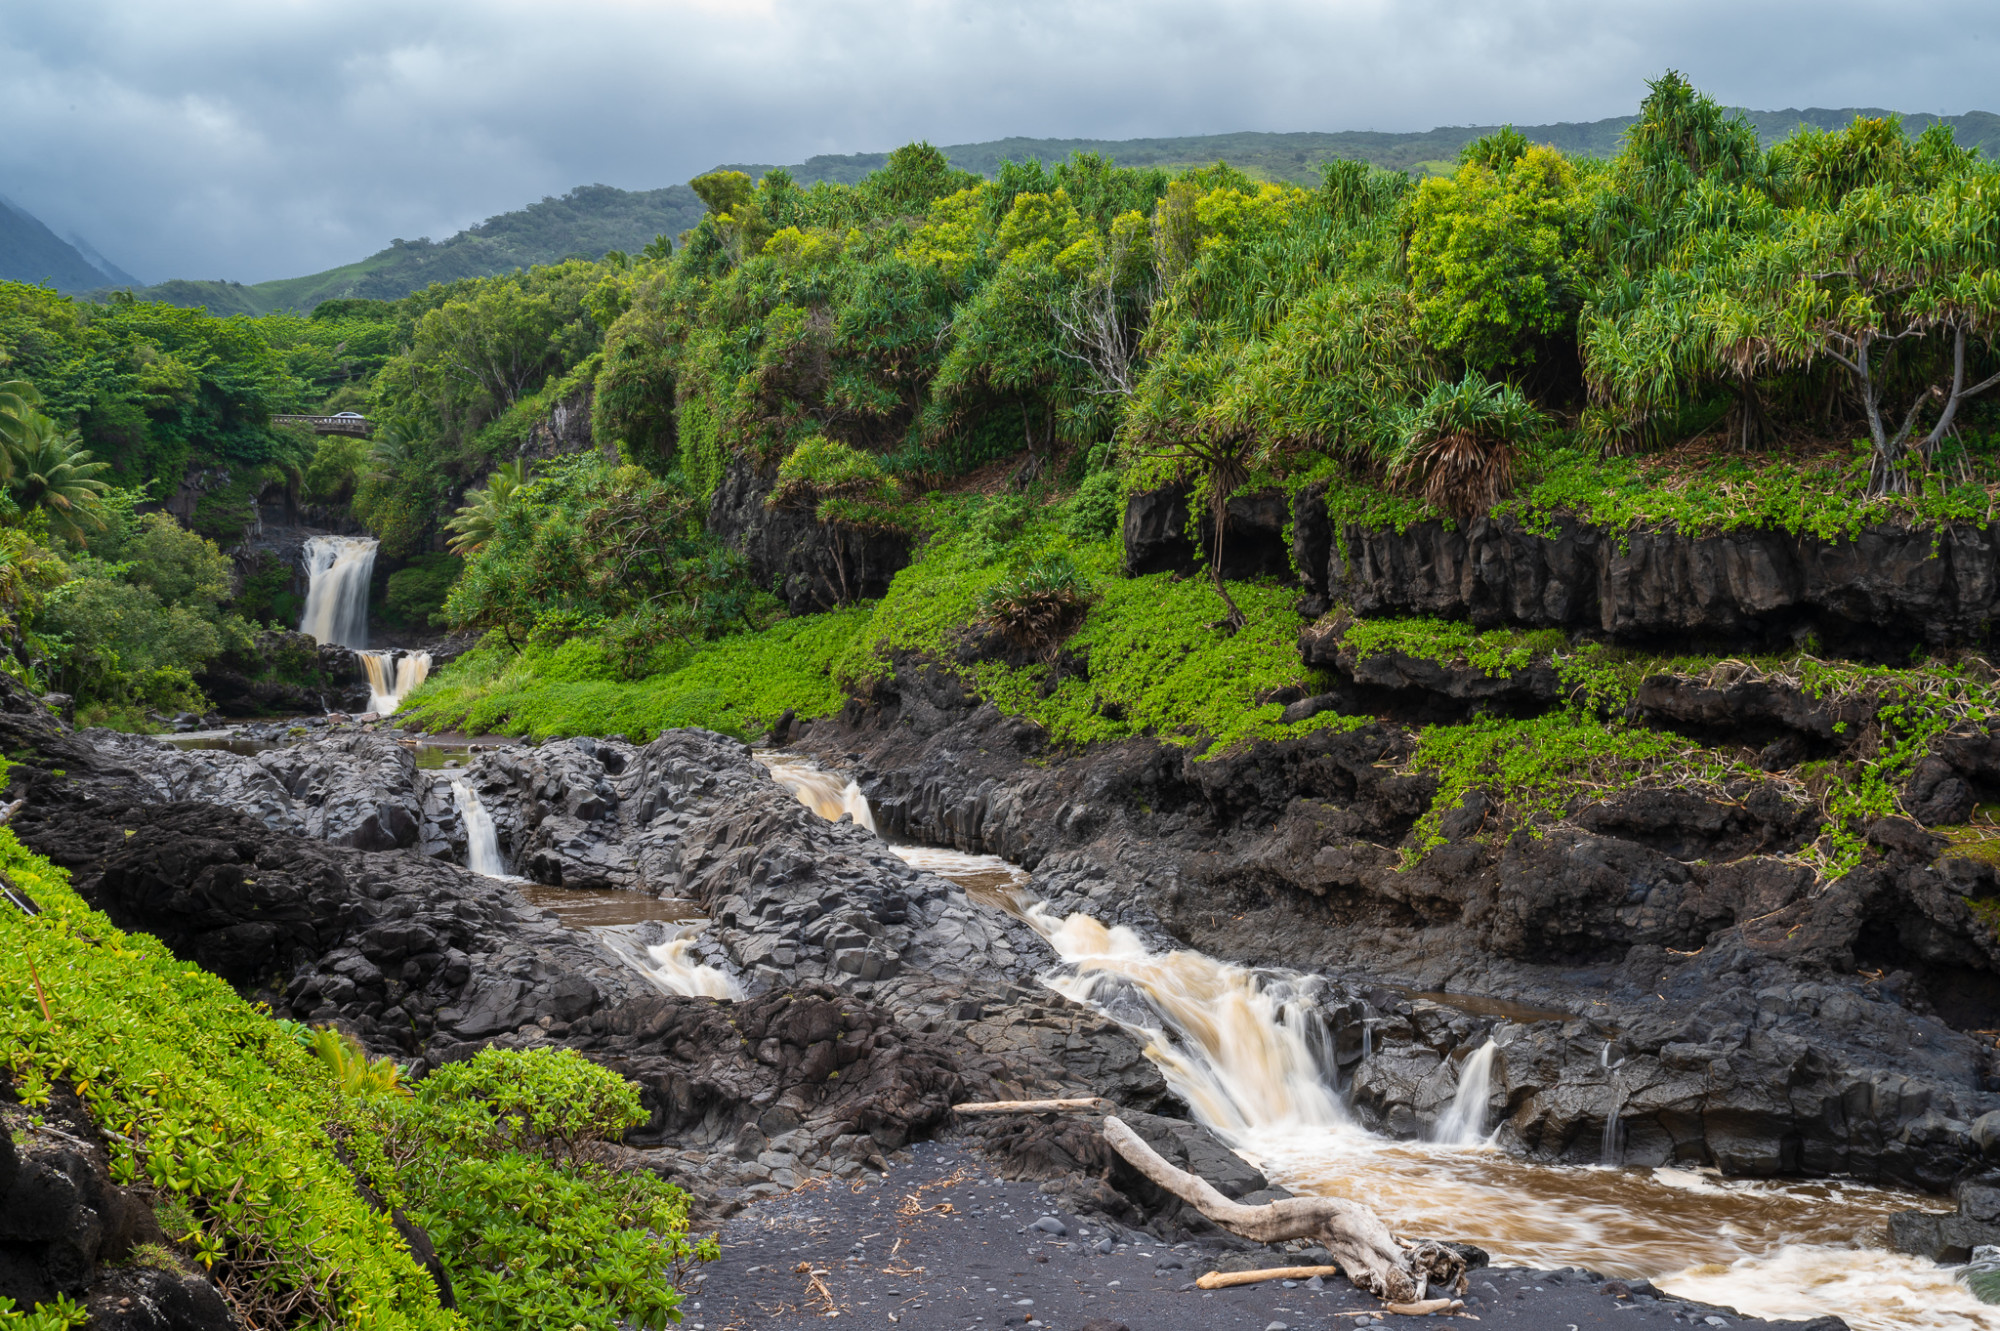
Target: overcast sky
{"points": [[252, 139]]}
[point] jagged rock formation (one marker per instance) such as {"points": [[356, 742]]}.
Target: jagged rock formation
{"points": [[1729, 980], [1253, 540], [1888, 584], [928, 997], [813, 565]]}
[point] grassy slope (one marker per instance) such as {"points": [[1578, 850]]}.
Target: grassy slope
{"points": [[1157, 665]]}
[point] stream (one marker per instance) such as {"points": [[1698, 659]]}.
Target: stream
{"points": [[1243, 1047]]}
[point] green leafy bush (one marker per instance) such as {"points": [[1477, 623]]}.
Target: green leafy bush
{"points": [[218, 1108], [416, 593]]}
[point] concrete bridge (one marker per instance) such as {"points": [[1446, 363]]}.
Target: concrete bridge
{"points": [[346, 422]]}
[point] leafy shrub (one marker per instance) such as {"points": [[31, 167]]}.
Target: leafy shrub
{"points": [[496, 1158], [339, 462], [1097, 509], [221, 1110], [416, 592], [839, 483], [551, 1102], [1038, 607]]}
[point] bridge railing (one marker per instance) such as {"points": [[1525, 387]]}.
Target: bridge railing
{"points": [[360, 425]]}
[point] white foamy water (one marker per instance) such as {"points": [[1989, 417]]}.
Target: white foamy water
{"points": [[668, 965], [1464, 1122], [1247, 1051], [482, 842], [1244, 1049], [393, 678], [337, 570], [819, 791]]}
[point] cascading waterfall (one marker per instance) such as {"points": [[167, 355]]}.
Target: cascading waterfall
{"points": [[392, 678], [482, 842], [338, 569], [1248, 1051], [1610, 1150], [668, 965], [819, 791], [1463, 1123]]}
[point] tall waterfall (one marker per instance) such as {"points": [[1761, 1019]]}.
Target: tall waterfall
{"points": [[392, 678], [339, 568], [482, 843]]}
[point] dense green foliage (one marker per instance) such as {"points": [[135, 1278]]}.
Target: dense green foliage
{"points": [[244, 1128]]}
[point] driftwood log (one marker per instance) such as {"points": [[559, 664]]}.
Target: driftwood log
{"points": [[1095, 1104], [1351, 1232]]}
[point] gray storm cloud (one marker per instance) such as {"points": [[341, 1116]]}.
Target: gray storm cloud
{"points": [[253, 140]]}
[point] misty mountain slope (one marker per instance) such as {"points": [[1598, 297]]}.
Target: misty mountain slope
{"points": [[30, 252]]}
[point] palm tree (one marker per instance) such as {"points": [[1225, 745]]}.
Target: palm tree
{"points": [[18, 400], [480, 518], [53, 472]]}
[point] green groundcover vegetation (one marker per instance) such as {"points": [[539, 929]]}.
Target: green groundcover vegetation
{"points": [[249, 1134]]}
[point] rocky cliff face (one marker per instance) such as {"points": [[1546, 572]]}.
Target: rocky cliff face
{"points": [[1672, 928], [1885, 590], [811, 564], [566, 429]]}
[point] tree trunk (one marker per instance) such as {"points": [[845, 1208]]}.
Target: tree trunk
{"points": [[1371, 1256], [1234, 620]]}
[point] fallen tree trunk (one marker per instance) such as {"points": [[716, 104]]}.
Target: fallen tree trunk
{"points": [[1095, 1104], [1355, 1236]]}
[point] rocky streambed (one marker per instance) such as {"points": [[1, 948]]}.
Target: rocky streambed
{"points": [[1221, 948]]}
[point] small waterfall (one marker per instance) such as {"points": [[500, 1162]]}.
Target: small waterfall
{"points": [[820, 791], [1612, 1149], [668, 965], [1240, 1046], [392, 678], [1463, 1123], [482, 843], [338, 568]]}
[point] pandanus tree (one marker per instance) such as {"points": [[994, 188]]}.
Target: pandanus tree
{"points": [[1461, 441], [1897, 284], [1175, 432]]}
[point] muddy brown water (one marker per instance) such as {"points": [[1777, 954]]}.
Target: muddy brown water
{"points": [[579, 908]]}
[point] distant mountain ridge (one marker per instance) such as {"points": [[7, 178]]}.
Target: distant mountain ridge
{"points": [[593, 219], [30, 252]]}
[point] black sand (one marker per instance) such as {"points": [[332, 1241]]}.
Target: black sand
{"points": [[939, 1244]]}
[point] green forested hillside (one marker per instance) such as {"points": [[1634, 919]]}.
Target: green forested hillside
{"points": [[587, 222], [594, 219]]}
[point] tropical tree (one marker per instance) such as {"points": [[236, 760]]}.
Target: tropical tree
{"points": [[480, 517], [18, 400], [1896, 284], [1461, 443], [54, 472]]}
